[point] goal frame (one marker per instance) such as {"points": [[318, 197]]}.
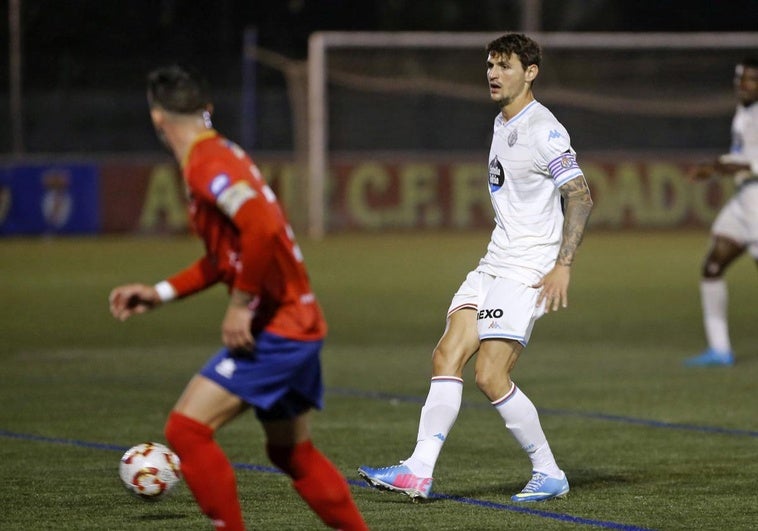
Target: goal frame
{"points": [[320, 43]]}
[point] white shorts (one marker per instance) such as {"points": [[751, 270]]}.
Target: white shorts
{"points": [[506, 308], [738, 220]]}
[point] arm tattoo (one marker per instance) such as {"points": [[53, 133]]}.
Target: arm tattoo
{"points": [[578, 204]]}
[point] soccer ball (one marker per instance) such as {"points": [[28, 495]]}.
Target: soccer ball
{"points": [[149, 470]]}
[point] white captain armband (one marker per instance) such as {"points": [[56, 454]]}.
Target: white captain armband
{"points": [[231, 199], [166, 291]]}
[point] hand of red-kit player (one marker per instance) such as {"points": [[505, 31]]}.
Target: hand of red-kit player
{"points": [[130, 299], [554, 286], [235, 329]]}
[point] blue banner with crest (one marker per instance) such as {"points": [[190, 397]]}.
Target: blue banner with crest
{"points": [[49, 199]]}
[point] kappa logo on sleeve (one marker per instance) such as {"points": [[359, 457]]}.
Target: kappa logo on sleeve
{"points": [[553, 135], [219, 183]]}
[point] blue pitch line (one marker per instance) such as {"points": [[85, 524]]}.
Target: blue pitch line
{"points": [[343, 391], [271, 470], [543, 514], [68, 442], [650, 423]]}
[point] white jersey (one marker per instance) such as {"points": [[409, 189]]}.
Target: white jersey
{"points": [[738, 220], [530, 159], [744, 148]]}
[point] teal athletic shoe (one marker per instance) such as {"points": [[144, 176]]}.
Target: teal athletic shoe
{"points": [[711, 358], [542, 487], [397, 478]]}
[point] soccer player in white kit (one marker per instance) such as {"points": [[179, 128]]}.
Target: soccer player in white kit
{"points": [[736, 227], [524, 273]]}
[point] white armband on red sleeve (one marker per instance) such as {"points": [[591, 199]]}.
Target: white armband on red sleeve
{"points": [[166, 291], [231, 199]]}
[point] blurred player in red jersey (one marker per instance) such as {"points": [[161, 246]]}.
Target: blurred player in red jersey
{"points": [[273, 328]]}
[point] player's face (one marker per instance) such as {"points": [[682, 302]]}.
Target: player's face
{"points": [[507, 77], [746, 84]]}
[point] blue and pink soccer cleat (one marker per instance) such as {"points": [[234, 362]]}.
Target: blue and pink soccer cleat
{"points": [[542, 487], [397, 478]]}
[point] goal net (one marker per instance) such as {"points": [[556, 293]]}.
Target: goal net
{"points": [[373, 96]]}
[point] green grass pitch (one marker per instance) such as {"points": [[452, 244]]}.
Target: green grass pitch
{"points": [[646, 443]]}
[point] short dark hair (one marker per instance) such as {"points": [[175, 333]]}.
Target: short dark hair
{"points": [[526, 49], [750, 61], [179, 89]]}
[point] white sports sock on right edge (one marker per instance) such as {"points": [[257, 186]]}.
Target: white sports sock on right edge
{"points": [[437, 418], [714, 298]]}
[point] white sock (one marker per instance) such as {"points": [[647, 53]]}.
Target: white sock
{"points": [[714, 298], [522, 420], [437, 418]]}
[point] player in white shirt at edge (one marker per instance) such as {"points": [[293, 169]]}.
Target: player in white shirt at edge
{"points": [[524, 273], [735, 229]]}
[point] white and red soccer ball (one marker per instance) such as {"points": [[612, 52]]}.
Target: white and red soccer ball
{"points": [[150, 470]]}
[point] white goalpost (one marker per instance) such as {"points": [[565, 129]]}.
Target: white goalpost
{"points": [[673, 89]]}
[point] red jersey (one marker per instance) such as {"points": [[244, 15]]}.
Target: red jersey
{"points": [[249, 244]]}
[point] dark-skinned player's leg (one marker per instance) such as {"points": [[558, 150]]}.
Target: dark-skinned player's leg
{"points": [[714, 298]]}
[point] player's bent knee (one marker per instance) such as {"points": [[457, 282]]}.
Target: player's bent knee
{"points": [[488, 383], [447, 361], [712, 269], [285, 459], [492, 374], [181, 430]]}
